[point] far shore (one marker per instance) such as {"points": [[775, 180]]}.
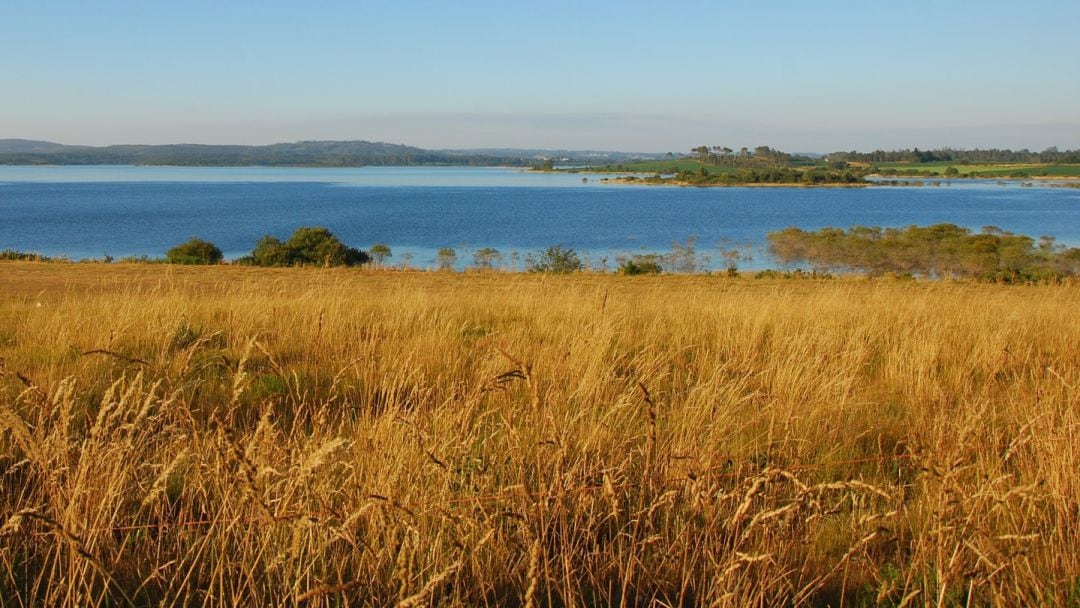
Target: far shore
{"points": [[681, 184], [632, 178]]}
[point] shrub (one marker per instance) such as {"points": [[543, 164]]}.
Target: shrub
{"points": [[194, 251], [555, 259], [10, 255], [141, 259], [486, 258], [446, 258], [308, 246], [641, 264], [104, 259], [269, 251]]}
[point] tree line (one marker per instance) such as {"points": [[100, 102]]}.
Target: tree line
{"points": [[759, 156], [810, 176], [1050, 155]]}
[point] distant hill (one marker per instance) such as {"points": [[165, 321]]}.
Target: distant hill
{"points": [[300, 154], [29, 146]]}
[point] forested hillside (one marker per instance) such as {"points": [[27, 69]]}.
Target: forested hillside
{"points": [[305, 153]]}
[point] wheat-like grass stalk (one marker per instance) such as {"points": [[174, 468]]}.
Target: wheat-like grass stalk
{"points": [[421, 596]]}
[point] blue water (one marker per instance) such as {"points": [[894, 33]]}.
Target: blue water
{"points": [[84, 212]]}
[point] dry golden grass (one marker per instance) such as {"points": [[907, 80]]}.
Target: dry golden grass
{"points": [[228, 436]]}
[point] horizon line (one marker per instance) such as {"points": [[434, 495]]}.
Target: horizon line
{"points": [[498, 147]]}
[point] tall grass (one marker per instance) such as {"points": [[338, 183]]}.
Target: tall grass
{"points": [[332, 437]]}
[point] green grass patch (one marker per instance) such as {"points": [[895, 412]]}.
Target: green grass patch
{"points": [[989, 170]]}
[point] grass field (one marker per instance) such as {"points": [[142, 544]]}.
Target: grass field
{"points": [[991, 170], [236, 436]]}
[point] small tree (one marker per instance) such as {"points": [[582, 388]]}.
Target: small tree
{"points": [[486, 258], [379, 253], [194, 251], [446, 258], [555, 259], [319, 247]]}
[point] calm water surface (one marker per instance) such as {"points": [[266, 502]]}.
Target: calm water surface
{"points": [[90, 211]]}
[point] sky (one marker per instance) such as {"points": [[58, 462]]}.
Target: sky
{"points": [[635, 76]]}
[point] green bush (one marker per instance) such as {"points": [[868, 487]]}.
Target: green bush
{"points": [[308, 246], [10, 255], [642, 264], [555, 259], [194, 251]]}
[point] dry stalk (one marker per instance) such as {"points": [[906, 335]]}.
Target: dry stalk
{"points": [[650, 441], [533, 576], [21, 433], [814, 585], [423, 594], [162, 479], [322, 590], [14, 523]]}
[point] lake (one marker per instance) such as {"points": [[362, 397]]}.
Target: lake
{"points": [[83, 212]]}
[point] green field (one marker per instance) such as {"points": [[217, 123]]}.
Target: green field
{"points": [[661, 166], [989, 170]]}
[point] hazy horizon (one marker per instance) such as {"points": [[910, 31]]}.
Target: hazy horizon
{"points": [[1032, 137], [625, 76]]}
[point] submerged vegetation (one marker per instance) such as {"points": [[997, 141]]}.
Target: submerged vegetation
{"points": [[229, 435], [939, 251], [942, 250]]}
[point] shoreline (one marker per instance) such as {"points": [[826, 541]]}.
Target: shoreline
{"points": [[1000, 178], [679, 184]]}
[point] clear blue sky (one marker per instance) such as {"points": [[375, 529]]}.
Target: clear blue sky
{"points": [[803, 76]]}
